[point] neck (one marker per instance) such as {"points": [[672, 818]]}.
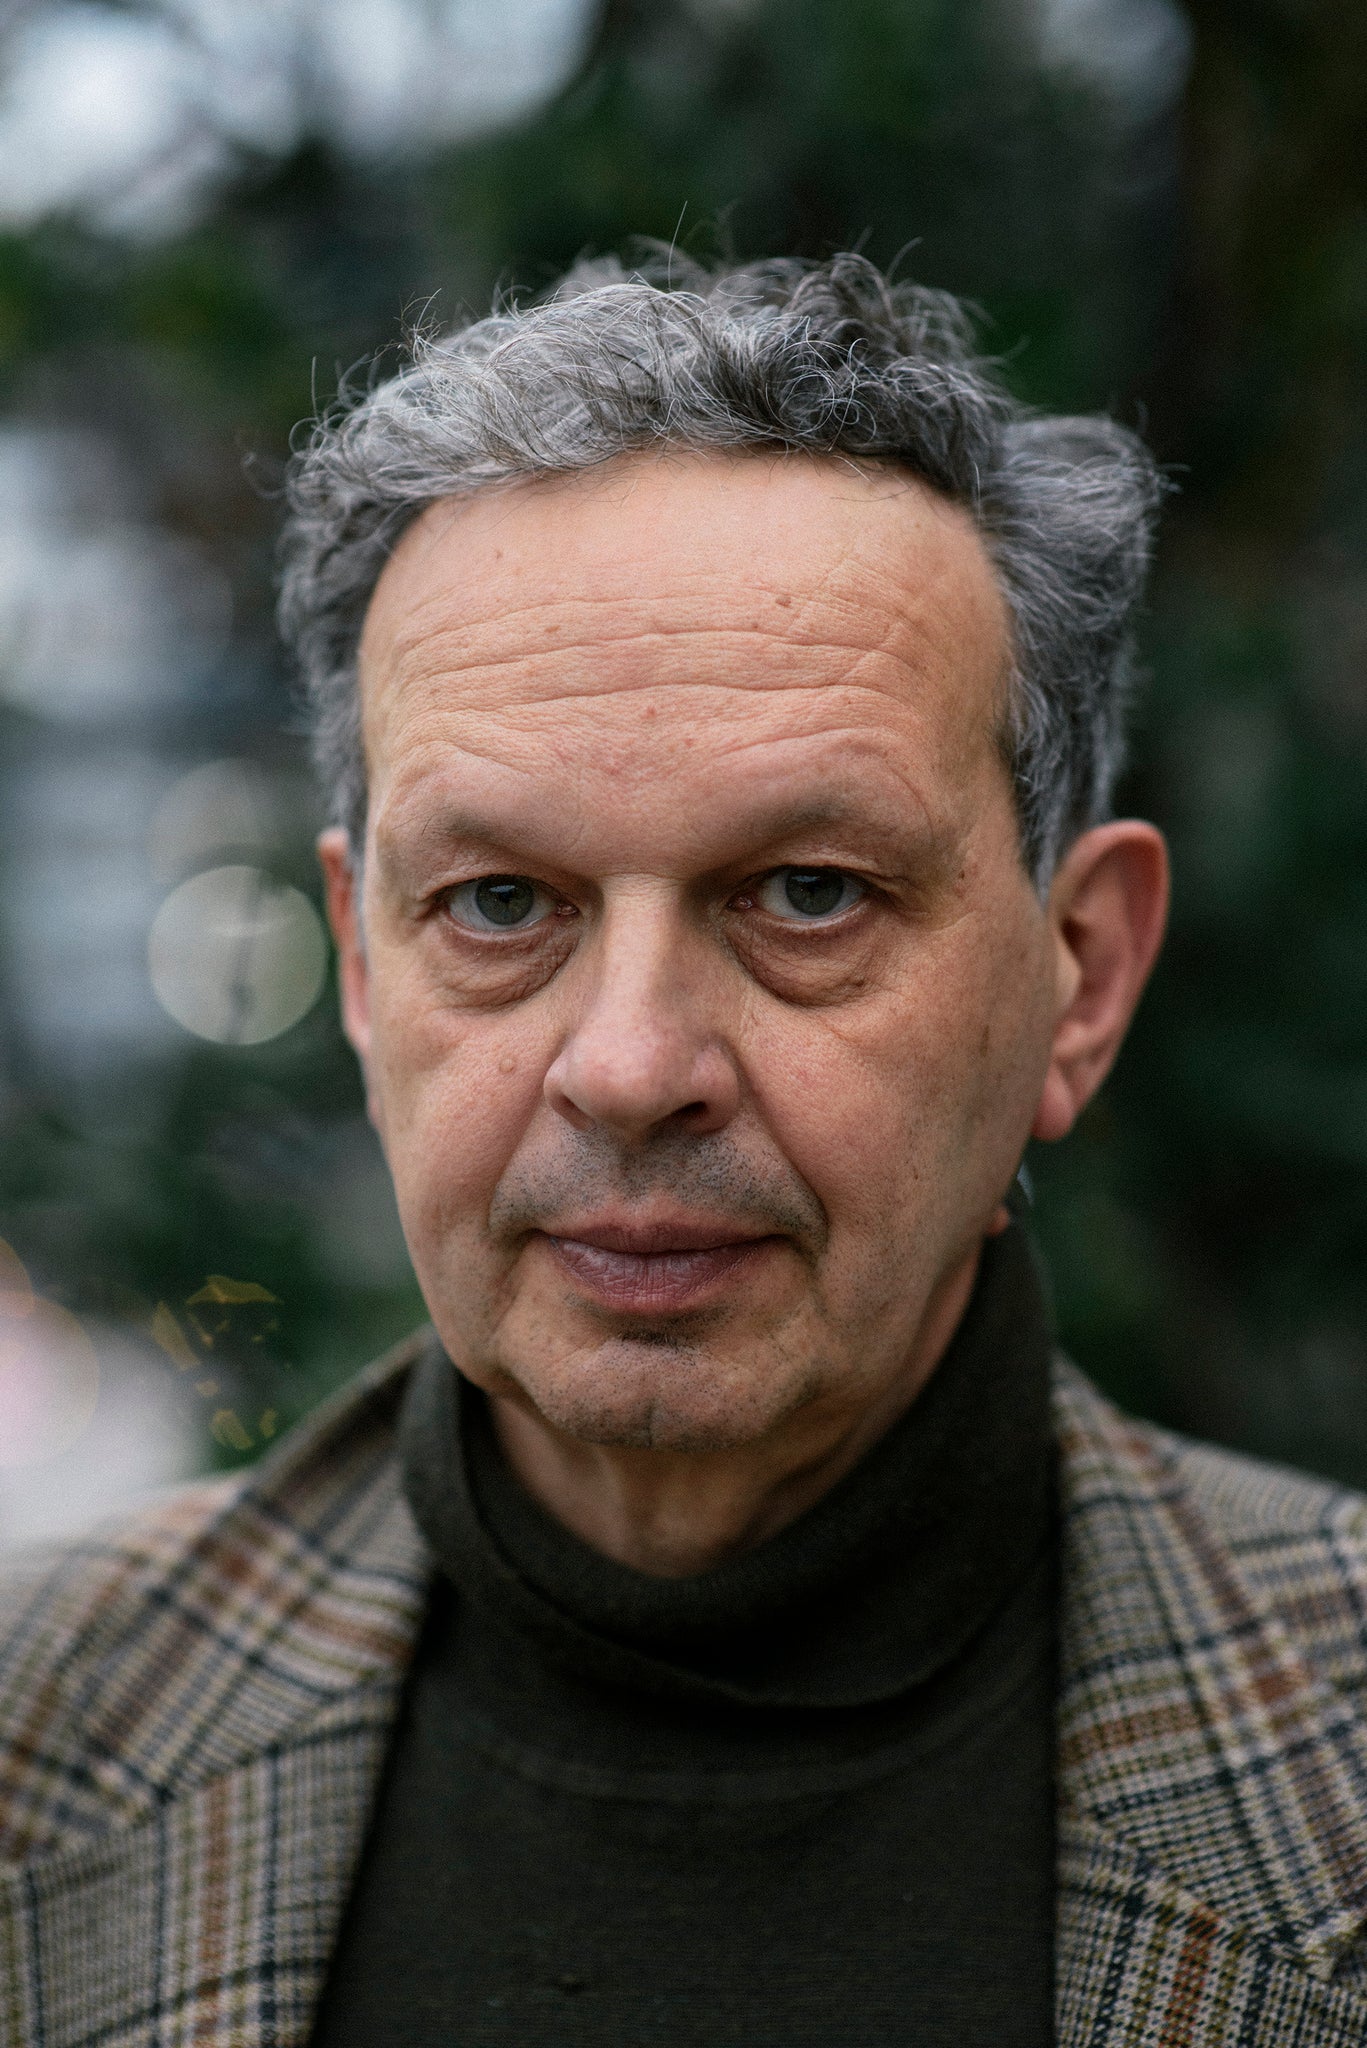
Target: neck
{"points": [[672, 1514]]}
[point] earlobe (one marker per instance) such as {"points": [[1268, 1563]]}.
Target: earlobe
{"points": [[341, 882], [1107, 909]]}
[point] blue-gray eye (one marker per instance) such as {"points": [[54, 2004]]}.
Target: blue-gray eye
{"points": [[499, 903], [805, 894]]}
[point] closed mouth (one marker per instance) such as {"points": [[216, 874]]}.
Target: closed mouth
{"points": [[662, 1267]]}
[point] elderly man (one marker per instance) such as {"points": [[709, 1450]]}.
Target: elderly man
{"points": [[726, 1624]]}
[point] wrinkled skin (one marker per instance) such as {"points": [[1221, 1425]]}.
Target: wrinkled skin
{"points": [[696, 1150]]}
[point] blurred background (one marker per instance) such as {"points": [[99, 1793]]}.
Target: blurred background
{"points": [[211, 208]]}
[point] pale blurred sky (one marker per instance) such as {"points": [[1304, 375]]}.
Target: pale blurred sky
{"points": [[131, 119]]}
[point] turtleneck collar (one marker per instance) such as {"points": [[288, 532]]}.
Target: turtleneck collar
{"points": [[871, 1592]]}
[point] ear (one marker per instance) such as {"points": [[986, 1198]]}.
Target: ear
{"points": [[344, 915], [1107, 907]]}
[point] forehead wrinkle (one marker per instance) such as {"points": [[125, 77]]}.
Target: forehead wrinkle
{"points": [[858, 743], [502, 737], [808, 554], [912, 635], [877, 613], [431, 658], [695, 696], [426, 632], [678, 585], [906, 816], [644, 752]]}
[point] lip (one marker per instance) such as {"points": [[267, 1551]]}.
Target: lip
{"points": [[663, 1231], [662, 1266]]}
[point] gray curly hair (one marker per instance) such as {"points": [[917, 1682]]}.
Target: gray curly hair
{"points": [[829, 357]]}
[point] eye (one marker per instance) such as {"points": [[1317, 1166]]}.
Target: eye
{"points": [[802, 895], [500, 903]]}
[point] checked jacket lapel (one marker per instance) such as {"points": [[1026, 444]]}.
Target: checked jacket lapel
{"points": [[231, 1703], [1212, 1787], [210, 1922]]}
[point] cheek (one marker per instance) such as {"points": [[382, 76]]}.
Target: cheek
{"points": [[916, 1101], [836, 1095], [454, 1095]]}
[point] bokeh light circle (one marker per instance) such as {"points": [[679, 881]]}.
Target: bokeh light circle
{"points": [[221, 808], [49, 1384], [236, 956]]}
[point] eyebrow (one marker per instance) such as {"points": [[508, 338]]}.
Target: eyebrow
{"points": [[910, 836], [916, 839]]}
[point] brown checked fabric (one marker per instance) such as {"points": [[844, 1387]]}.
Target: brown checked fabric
{"points": [[195, 1705], [193, 1713], [1213, 1753]]}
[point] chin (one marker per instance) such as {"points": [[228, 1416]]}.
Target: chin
{"points": [[652, 1392]]}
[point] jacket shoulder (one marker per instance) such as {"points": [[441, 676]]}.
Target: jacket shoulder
{"points": [[170, 1643], [1298, 1543], [59, 1600]]}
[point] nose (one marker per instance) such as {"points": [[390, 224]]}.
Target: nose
{"points": [[643, 1050]]}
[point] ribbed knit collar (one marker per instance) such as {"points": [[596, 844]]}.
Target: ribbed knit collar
{"points": [[871, 1592]]}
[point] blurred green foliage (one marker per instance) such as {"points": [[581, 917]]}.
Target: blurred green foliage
{"points": [[1199, 266]]}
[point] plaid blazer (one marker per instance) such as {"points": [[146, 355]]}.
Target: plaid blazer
{"points": [[194, 1708]]}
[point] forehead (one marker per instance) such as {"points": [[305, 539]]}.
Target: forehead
{"points": [[729, 620]]}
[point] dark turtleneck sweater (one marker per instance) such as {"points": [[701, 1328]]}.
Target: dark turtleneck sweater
{"points": [[805, 1797]]}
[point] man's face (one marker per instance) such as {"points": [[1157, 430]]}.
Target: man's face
{"points": [[705, 1002]]}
